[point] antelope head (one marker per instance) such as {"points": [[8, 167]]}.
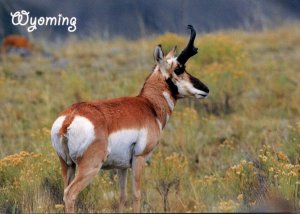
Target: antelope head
{"points": [[174, 72]]}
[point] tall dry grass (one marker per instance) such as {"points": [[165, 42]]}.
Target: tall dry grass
{"points": [[231, 152]]}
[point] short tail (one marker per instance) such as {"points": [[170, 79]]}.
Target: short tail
{"points": [[70, 164]]}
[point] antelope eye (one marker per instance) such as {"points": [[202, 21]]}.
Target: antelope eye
{"points": [[179, 70]]}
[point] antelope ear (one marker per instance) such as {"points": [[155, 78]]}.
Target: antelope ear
{"points": [[172, 53], [158, 54], [159, 58]]}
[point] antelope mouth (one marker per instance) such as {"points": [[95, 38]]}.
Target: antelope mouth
{"points": [[201, 95]]}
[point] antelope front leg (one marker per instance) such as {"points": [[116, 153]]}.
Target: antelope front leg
{"points": [[122, 175], [137, 168]]}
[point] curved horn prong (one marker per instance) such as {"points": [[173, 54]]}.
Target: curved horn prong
{"points": [[190, 49]]}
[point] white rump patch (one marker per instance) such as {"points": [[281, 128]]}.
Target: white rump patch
{"points": [[169, 100], [121, 146], [80, 135], [55, 137]]}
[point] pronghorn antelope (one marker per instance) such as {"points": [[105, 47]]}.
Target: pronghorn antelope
{"points": [[120, 133]]}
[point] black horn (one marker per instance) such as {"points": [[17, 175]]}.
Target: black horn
{"points": [[190, 50]]}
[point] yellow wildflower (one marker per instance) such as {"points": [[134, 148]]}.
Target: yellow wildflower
{"points": [[59, 206], [282, 156], [240, 197], [243, 162], [298, 125], [227, 206]]}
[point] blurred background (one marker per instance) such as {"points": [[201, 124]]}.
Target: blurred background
{"points": [[236, 151], [134, 19]]}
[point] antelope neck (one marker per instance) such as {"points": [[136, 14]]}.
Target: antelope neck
{"points": [[162, 96]]}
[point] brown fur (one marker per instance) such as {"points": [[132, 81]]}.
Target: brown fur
{"points": [[108, 116], [88, 167], [126, 112]]}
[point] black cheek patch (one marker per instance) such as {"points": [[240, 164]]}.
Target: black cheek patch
{"points": [[198, 84], [173, 87]]}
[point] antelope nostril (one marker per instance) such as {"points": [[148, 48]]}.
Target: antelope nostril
{"points": [[205, 88]]}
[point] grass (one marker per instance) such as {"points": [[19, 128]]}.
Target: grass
{"points": [[232, 152]]}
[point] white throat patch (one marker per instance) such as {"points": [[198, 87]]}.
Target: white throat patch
{"points": [[159, 124], [169, 100]]}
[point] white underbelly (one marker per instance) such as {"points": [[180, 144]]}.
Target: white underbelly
{"points": [[120, 159], [122, 145]]}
